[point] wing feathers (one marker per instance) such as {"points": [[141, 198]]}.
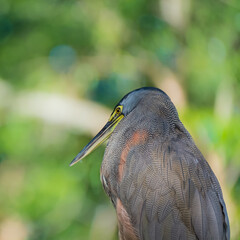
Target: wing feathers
{"points": [[173, 194]]}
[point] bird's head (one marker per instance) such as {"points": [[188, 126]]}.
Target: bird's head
{"points": [[127, 104]]}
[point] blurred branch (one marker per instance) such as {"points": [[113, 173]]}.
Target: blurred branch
{"points": [[82, 115]]}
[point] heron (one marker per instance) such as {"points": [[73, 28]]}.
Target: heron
{"points": [[159, 182]]}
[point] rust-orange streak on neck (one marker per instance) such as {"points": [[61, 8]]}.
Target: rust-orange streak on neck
{"points": [[126, 229], [137, 138]]}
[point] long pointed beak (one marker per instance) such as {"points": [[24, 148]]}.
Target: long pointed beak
{"points": [[103, 135]]}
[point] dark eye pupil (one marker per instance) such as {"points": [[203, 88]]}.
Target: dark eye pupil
{"points": [[117, 110]]}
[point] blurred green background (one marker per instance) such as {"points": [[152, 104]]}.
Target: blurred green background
{"points": [[64, 64]]}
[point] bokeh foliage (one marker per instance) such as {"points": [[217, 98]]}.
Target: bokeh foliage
{"points": [[98, 51]]}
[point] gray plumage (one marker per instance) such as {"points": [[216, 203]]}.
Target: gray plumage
{"points": [[158, 180]]}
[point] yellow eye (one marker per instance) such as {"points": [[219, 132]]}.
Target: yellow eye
{"points": [[118, 110], [116, 113]]}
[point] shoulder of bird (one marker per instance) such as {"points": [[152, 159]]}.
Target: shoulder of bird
{"points": [[159, 181]]}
